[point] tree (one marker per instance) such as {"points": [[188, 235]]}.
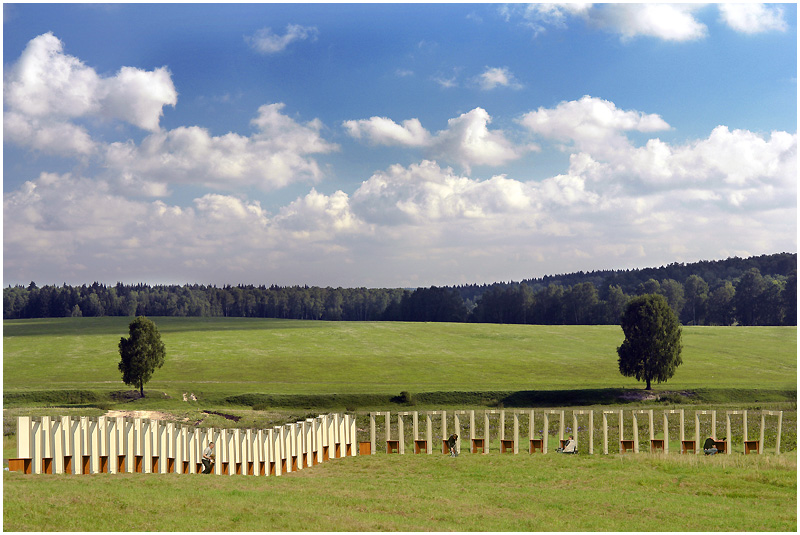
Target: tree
{"points": [[615, 304], [651, 350], [141, 353], [789, 297], [696, 291], [720, 305], [748, 291], [673, 291], [580, 300]]}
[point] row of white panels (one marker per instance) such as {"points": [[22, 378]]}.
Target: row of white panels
{"points": [[84, 445]]}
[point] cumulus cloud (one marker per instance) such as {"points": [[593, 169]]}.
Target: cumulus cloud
{"points": [[320, 213], [47, 87], [48, 219], [495, 77], [592, 124], [726, 160], [732, 186], [426, 193], [48, 136], [225, 208], [267, 42], [384, 131], [275, 155], [753, 18], [670, 22], [138, 96], [467, 140]]}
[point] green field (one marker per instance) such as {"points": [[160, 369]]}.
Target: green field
{"points": [[725, 367], [239, 355], [427, 493]]}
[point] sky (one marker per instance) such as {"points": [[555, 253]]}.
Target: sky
{"points": [[392, 145]]}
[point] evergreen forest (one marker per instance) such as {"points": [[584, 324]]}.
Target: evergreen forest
{"points": [[759, 290]]}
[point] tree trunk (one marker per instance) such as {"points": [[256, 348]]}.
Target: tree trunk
{"points": [[648, 385], [141, 388]]}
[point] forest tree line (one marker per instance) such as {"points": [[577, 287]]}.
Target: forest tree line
{"points": [[753, 291]]}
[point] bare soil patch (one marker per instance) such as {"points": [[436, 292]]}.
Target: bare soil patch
{"points": [[644, 395], [152, 415]]}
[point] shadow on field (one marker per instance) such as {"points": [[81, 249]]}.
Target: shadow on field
{"points": [[353, 402]]}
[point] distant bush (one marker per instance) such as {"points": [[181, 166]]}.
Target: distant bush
{"points": [[405, 397]]}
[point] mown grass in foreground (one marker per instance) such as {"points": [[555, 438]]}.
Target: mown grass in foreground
{"points": [[427, 493]]}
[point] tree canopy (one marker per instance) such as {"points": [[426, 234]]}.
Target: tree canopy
{"points": [[755, 291], [652, 347], [141, 353]]}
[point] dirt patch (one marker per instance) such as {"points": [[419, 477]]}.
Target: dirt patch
{"points": [[132, 395], [644, 395], [152, 415], [638, 395]]}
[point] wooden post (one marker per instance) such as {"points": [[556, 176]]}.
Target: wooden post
{"points": [[372, 432], [401, 434], [428, 433], [546, 432]]}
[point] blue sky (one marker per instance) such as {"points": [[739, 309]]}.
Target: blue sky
{"points": [[392, 145]]}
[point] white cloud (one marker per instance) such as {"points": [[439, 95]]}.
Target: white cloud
{"points": [[538, 16], [497, 76], [266, 42], [48, 136], [138, 96], [425, 192], [320, 213], [592, 124], [725, 161], [384, 131], [753, 18], [48, 219], [467, 140], [45, 81], [273, 157], [47, 85], [446, 83], [670, 22], [426, 223]]}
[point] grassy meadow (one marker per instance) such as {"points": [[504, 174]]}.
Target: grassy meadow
{"points": [[220, 358], [427, 493], [216, 356]]}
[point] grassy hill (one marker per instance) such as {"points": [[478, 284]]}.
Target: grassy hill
{"points": [[229, 356], [223, 358]]}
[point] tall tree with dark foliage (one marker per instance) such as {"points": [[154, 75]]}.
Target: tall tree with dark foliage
{"points": [[652, 347], [141, 353]]}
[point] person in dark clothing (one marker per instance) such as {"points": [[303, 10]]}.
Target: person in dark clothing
{"points": [[451, 444], [710, 446]]}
